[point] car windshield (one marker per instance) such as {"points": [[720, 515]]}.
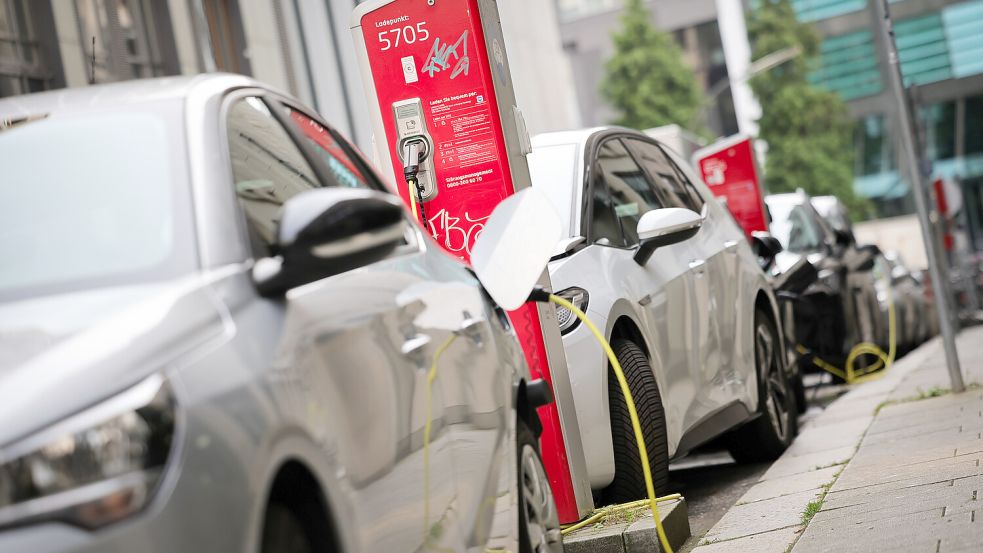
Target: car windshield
{"points": [[792, 225], [93, 199], [553, 170]]}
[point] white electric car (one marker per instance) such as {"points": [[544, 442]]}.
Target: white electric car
{"points": [[660, 265]]}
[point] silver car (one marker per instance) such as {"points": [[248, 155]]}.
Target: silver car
{"points": [[218, 332]]}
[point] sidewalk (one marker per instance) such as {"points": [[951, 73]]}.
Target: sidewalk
{"points": [[888, 466]]}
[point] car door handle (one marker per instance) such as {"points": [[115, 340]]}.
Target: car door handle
{"points": [[731, 245], [414, 347]]}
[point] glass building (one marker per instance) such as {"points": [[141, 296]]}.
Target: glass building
{"points": [[940, 45]]}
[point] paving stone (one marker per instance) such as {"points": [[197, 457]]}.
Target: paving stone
{"points": [[761, 516], [796, 464], [824, 437], [785, 485], [776, 541]]}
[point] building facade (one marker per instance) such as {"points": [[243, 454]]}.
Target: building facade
{"points": [[586, 27], [300, 46], [940, 46]]}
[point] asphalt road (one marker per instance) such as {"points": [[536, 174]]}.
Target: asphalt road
{"points": [[712, 482]]}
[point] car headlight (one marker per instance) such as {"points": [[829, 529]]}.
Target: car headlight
{"points": [[95, 468], [564, 317]]}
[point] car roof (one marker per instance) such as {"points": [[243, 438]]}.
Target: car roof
{"points": [[578, 136], [797, 197], [115, 94]]}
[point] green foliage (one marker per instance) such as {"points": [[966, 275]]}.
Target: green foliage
{"points": [[808, 130], [646, 80]]}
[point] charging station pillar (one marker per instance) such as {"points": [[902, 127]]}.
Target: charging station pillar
{"points": [[438, 84]]}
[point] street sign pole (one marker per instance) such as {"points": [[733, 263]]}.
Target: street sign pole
{"points": [[937, 267]]}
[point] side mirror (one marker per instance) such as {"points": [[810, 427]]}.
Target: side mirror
{"points": [[766, 247], [844, 238], [515, 246], [663, 227], [328, 231]]}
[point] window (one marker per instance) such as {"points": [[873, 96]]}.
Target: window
{"points": [[974, 125], [628, 193], [940, 130], [24, 68], [794, 228], [873, 146], [128, 35], [268, 169], [225, 35], [328, 147], [677, 189]]}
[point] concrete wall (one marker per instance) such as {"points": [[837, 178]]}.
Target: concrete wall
{"points": [[901, 234]]}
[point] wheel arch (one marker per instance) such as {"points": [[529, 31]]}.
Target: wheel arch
{"points": [[295, 486]]}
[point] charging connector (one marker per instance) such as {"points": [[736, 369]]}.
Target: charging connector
{"points": [[412, 155]]}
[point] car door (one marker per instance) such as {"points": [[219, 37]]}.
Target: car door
{"points": [[706, 263], [351, 366], [663, 289]]}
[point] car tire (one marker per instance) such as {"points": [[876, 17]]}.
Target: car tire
{"points": [[629, 479], [767, 436], [283, 532], [539, 522]]}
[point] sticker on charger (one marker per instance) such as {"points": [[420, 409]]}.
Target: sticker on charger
{"points": [[409, 69]]}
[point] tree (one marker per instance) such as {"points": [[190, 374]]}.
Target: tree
{"points": [[646, 80], [808, 129]]}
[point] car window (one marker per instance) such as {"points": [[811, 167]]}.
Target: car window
{"points": [[331, 149], [670, 180], [268, 169], [795, 229], [631, 194]]}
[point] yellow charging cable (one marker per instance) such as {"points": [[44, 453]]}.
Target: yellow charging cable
{"points": [[427, 427], [884, 360], [636, 425]]}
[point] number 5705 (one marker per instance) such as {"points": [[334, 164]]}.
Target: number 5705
{"points": [[407, 34]]}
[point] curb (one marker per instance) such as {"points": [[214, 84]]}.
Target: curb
{"points": [[633, 537]]}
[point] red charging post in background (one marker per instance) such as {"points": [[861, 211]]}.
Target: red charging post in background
{"points": [[433, 58], [729, 169]]}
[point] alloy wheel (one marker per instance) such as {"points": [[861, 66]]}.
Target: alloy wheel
{"points": [[776, 389], [542, 520]]}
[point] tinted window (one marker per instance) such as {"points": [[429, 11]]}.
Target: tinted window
{"points": [[328, 147], [267, 167], [93, 199], [631, 194], [668, 178]]}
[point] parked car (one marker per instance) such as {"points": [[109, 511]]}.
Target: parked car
{"points": [[912, 311], [216, 332], [658, 264], [841, 306]]}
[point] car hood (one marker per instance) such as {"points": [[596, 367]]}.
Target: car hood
{"points": [[62, 353]]}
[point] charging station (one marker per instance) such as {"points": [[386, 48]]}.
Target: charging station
{"points": [[450, 136], [731, 172]]}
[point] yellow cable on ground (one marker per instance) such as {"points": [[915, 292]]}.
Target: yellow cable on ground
{"points": [[636, 425], [610, 510], [885, 360]]}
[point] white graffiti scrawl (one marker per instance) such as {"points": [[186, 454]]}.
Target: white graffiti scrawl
{"points": [[440, 54]]}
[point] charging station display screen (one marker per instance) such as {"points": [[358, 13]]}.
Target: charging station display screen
{"points": [[434, 86]]}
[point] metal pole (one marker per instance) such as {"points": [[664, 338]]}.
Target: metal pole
{"points": [[937, 268]]}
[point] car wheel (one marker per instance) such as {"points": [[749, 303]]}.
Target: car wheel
{"points": [[539, 523], [768, 435], [283, 532], [629, 479]]}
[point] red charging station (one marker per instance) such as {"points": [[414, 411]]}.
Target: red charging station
{"points": [[729, 169], [439, 87]]}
